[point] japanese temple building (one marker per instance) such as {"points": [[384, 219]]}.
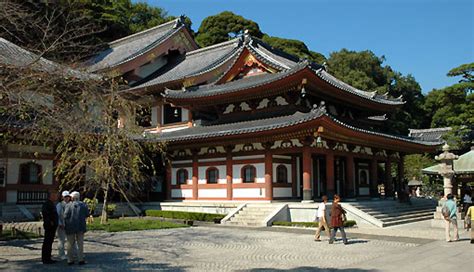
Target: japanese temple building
{"points": [[245, 121]]}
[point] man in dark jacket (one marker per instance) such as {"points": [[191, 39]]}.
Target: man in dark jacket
{"points": [[50, 224]]}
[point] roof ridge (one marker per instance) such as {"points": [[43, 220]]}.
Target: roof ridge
{"points": [[203, 49], [429, 129], [141, 33]]}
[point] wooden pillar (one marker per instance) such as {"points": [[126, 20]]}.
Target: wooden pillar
{"points": [[168, 181], [190, 118], [195, 175], [307, 173], [401, 173], [294, 193], [268, 173], [373, 178], [388, 177], [330, 174], [350, 175], [229, 172]]}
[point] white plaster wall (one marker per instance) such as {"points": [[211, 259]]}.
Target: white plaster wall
{"points": [[154, 116], [164, 130], [288, 168], [212, 193], [11, 196], [178, 193], [260, 173], [248, 192], [13, 170], [184, 115], [281, 192], [222, 174], [175, 170], [155, 64]]}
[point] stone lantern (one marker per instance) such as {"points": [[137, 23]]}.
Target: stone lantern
{"points": [[447, 172]]}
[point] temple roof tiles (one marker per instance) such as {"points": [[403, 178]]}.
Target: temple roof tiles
{"points": [[430, 134], [246, 127], [13, 55], [132, 46]]}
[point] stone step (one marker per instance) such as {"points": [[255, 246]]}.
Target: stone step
{"points": [[398, 213], [405, 217], [392, 208], [399, 222]]}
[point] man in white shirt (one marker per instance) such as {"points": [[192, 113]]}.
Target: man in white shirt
{"points": [[322, 220]]}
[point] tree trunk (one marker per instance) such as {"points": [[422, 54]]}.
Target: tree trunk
{"points": [[103, 218]]}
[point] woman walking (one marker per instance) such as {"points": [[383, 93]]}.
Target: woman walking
{"points": [[337, 220]]}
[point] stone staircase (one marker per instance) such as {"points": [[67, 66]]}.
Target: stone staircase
{"points": [[392, 213], [252, 215]]}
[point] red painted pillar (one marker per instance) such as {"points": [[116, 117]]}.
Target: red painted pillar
{"points": [[330, 174], [350, 175], [294, 193], [401, 173], [195, 176], [307, 173], [373, 178], [229, 172], [268, 175]]}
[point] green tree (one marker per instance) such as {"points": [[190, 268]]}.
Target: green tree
{"points": [[453, 106], [224, 26], [294, 47], [364, 70]]}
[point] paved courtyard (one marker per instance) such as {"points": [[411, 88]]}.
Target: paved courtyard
{"points": [[211, 248]]}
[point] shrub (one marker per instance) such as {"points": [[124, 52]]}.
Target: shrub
{"points": [[111, 208], [348, 223], [209, 217], [116, 225]]}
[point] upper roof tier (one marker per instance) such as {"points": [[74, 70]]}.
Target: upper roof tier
{"points": [[209, 64], [131, 47]]}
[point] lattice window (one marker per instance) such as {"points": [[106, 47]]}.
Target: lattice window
{"points": [[30, 173], [182, 176], [212, 175], [249, 172], [282, 174], [3, 175]]}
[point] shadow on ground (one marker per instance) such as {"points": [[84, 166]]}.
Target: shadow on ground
{"points": [[107, 261]]}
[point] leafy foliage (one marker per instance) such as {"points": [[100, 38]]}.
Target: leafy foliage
{"points": [[117, 225], [454, 106], [348, 223], [223, 26], [294, 47], [413, 165], [185, 215]]}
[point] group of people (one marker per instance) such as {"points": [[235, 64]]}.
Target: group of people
{"points": [[338, 217], [67, 218]]}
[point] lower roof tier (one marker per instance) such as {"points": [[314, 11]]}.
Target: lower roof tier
{"points": [[299, 125]]}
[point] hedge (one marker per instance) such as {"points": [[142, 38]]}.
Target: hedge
{"points": [[210, 217], [348, 223]]}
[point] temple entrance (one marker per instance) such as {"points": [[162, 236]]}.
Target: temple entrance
{"points": [[340, 176], [319, 176], [362, 177]]}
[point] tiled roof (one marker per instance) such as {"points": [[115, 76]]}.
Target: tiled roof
{"points": [[13, 55], [254, 81], [463, 165], [195, 62], [132, 46], [232, 86], [238, 128], [430, 134]]}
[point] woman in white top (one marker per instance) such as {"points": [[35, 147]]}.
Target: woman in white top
{"points": [[322, 220]]}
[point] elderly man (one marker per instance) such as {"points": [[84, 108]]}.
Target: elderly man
{"points": [[61, 231], [75, 215]]}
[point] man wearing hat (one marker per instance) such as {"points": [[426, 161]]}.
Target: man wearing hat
{"points": [[66, 197], [75, 215]]}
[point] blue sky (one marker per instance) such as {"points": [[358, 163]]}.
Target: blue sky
{"points": [[425, 38]]}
